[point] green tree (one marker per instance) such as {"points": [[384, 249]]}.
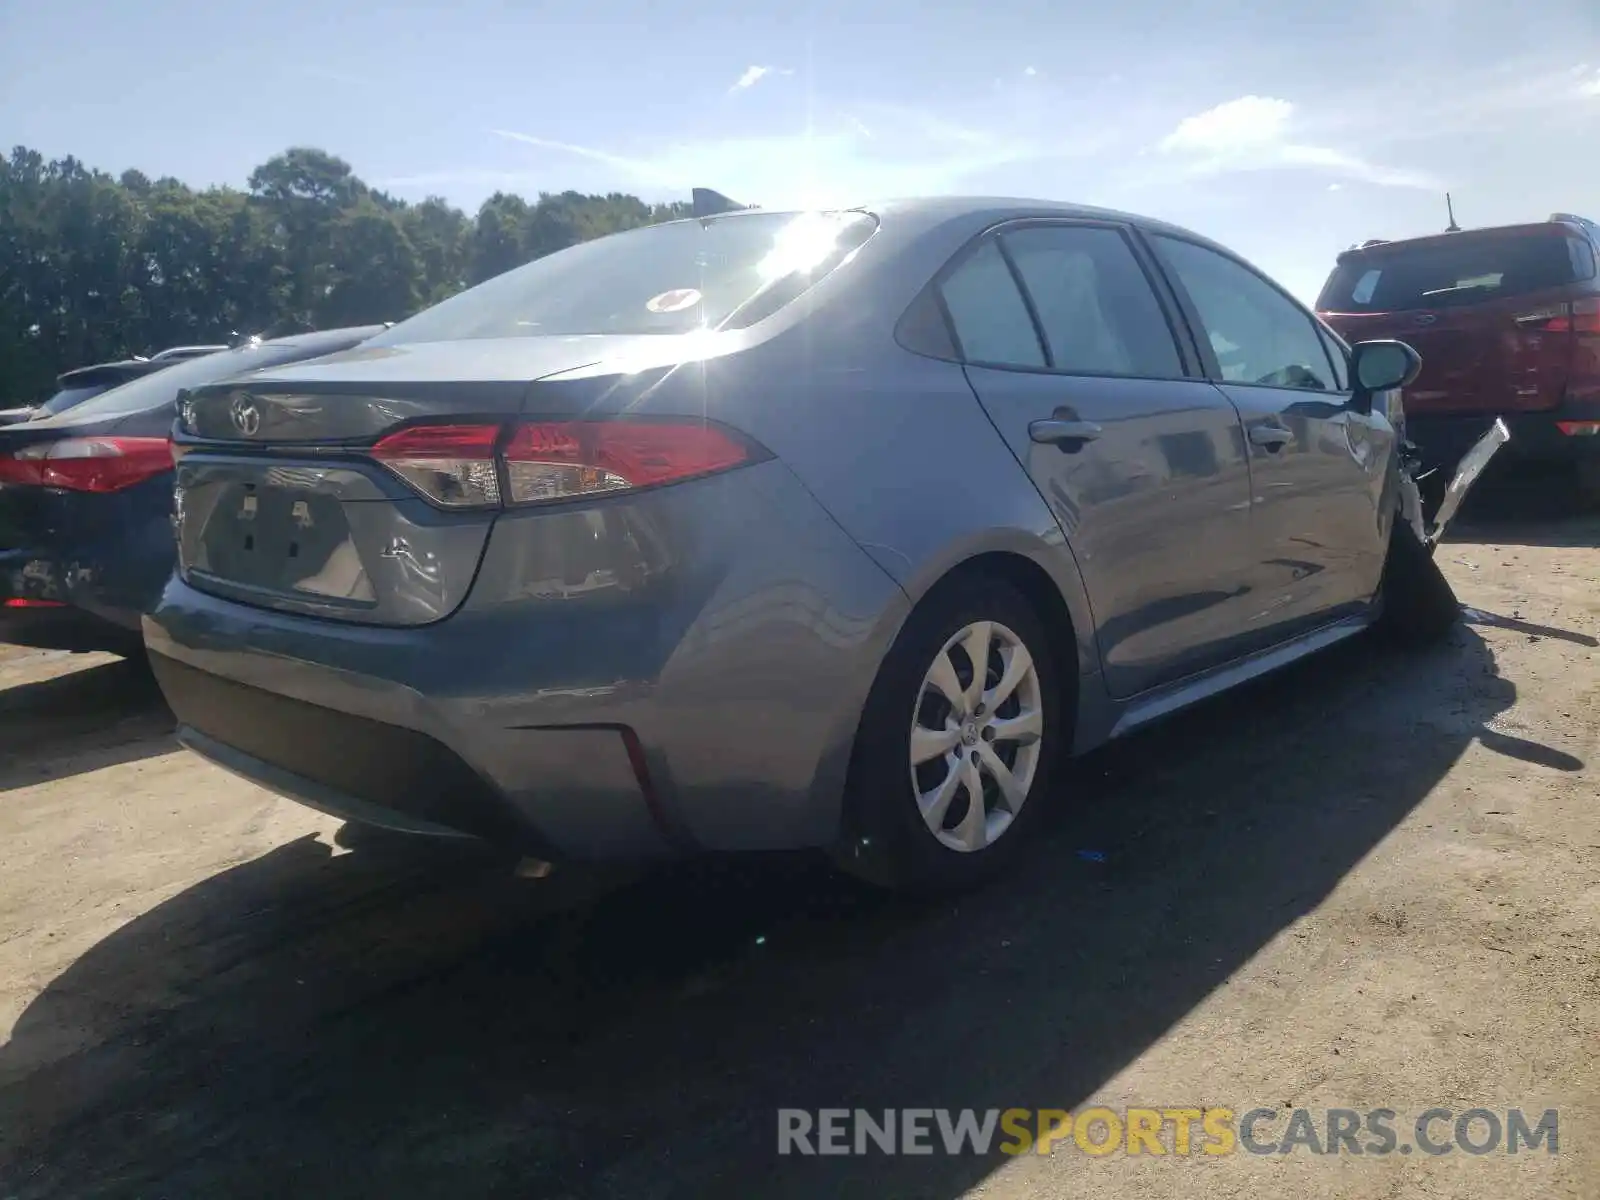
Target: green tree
{"points": [[96, 267], [375, 273], [305, 190]]}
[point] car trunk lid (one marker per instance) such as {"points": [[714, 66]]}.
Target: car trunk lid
{"points": [[363, 487]]}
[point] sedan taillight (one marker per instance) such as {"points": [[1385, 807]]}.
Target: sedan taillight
{"points": [[459, 466], [91, 464], [452, 465]]}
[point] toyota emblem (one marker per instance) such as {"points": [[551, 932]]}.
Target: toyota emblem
{"points": [[246, 416]]}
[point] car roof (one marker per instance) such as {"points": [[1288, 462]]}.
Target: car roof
{"points": [[1560, 224], [1003, 208], [980, 211]]}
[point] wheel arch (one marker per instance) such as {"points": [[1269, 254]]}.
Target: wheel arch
{"points": [[857, 846], [1045, 571], [1036, 586], [1042, 591]]}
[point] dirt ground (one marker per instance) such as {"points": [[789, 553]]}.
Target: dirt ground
{"points": [[1373, 881]]}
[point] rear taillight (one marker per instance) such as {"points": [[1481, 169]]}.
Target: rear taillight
{"points": [[95, 464], [1581, 316], [20, 602], [1579, 428], [452, 465], [460, 466]]}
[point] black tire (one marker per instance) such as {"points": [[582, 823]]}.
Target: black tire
{"points": [[1419, 605], [884, 838]]}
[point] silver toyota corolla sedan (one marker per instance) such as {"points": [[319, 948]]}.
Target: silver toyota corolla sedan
{"points": [[774, 529]]}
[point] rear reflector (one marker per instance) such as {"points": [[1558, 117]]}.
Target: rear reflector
{"points": [[101, 464], [18, 602], [1579, 428], [457, 466]]}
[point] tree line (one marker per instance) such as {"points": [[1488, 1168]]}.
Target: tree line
{"points": [[95, 267]]}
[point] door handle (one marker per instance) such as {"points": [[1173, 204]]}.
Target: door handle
{"points": [[1069, 435], [1273, 437]]}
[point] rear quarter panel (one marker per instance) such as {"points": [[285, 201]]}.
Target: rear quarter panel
{"points": [[894, 446]]}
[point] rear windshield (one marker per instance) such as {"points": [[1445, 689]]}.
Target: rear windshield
{"points": [[720, 272], [1445, 274], [67, 397], [162, 387]]}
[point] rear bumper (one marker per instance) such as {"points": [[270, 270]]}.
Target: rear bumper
{"points": [[380, 773], [85, 620], [107, 563], [704, 699], [1535, 437]]}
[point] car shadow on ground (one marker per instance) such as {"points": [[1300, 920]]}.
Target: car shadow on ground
{"points": [[94, 716], [404, 1024]]}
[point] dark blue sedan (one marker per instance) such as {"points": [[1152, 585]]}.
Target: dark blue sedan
{"points": [[86, 501]]}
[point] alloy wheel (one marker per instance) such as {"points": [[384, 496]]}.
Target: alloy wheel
{"points": [[975, 736]]}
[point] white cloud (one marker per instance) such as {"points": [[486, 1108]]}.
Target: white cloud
{"points": [[754, 75], [1253, 133], [1242, 124], [1590, 86], [1030, 71]]}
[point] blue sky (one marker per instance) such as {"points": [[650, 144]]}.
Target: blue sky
{"points": [[1285, 129]]}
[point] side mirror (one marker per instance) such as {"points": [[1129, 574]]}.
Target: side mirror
{"points": [[1382, 366]]}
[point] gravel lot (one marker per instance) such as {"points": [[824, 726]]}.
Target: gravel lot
{"points": [[1371, 882]]}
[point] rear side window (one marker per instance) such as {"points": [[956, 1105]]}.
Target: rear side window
{"points": [[1094, 303], [1466, 269], [989, 315], [1583, 267]]}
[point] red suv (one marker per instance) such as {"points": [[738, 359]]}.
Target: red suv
{"points": [[1507, 321]]}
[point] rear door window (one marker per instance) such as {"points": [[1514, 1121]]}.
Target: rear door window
{"points": [[1094, 303], [1467, 269]]}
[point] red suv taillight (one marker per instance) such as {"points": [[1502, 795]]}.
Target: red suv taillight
{"points": [[463, 466], [92, 464], [1580, 316]]}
